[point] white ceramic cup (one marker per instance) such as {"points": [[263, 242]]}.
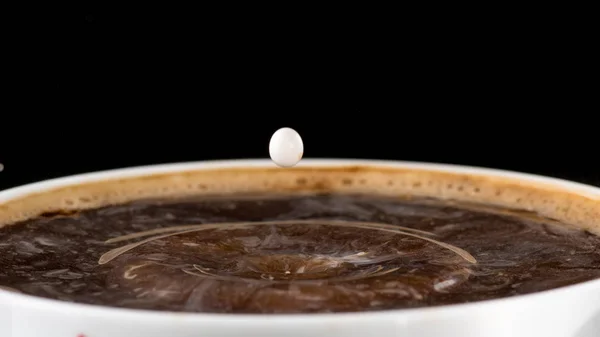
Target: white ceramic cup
{"points": [[572, 311]]}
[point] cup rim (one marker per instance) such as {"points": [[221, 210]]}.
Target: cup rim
{"points": [[40, 303]]}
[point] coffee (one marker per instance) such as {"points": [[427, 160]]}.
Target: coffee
{"points": [[297, 241]]}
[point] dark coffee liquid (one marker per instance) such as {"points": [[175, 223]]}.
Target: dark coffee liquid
{"points": [[310, 265]]}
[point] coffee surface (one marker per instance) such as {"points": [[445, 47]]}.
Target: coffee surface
{"points": [[291, 254]]}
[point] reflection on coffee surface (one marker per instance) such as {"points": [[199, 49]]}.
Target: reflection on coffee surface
{"points": [[291, 254]]}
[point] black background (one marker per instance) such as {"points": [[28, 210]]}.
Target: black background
{"points": [[141, 88]]}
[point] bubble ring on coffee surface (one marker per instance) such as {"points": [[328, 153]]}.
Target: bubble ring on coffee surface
{"points": [[114, 253], [322, 262]]}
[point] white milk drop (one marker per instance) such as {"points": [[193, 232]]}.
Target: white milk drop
{"points": [[286, 147]]}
